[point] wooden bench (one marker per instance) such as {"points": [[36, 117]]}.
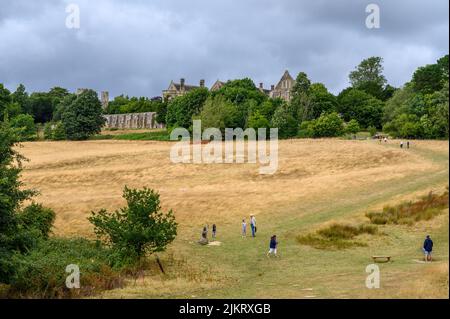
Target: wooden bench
{"points": [[380, 258]]}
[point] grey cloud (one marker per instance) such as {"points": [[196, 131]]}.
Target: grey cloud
{"points": [[136, 47]]}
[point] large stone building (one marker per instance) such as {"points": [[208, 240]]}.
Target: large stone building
{"points": [[177, 89], [281, 90]]}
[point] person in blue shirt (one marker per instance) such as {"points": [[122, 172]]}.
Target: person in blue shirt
{"points": [[273, 246], [427, 248]]}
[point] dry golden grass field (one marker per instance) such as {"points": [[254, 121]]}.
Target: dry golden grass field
{"points": [[317, 182]]}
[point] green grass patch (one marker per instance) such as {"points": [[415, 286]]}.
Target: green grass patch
{"points": [[409, 213], [161, 135], [146, 136], [337, 236]]}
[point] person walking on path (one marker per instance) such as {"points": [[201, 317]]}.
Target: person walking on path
{"points": [[427, 248], [407, 144], [273, 246], [244, 228], [401, 144], [214, 231], [253, 225]]}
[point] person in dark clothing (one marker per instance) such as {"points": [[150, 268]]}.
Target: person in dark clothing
{"points": [[214, 231], [427, 248], [407, 144], [273, 246]]}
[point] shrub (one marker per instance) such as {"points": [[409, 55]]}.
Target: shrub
{"points": [[372, 130], [285, 122], [42, 272], [59, 132], [48, 131], [37, 217], [137, 229], [327, 125], [410, 212], [25, 127], [352, 127]]}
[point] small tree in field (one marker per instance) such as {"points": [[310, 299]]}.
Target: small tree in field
{"points": [[352, 127], [137, 229]]}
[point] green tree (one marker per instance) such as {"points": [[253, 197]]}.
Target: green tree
{"points": [[12, 195], [137, 229], [59, 132], [220, 113], [322, 101], [443, 64], [181, 109], [5, 99], [300, 105], [13, 109], [352, 127], [368, 77], [41, 107], [283, 120], [63, 104], [428, 79], [25, 127], [361, 106], [257, 120], [21, 97], [83, 117], [328, 125]]}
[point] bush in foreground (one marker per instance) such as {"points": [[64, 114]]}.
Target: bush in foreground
{"points": [[42, 272], [137, 229]]}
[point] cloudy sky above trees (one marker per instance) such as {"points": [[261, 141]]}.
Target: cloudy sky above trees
{"points": [[136, 47]]}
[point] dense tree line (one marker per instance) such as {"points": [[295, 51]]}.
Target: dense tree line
{"points": [[418, 109]]}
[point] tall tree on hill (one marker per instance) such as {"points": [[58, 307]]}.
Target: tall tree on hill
{"points": [[20, 96], [368, 77], [300, 105], [428, 79], [5, 99]]}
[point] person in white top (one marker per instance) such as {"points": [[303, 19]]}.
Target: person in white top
{"points": [[253, 225]]}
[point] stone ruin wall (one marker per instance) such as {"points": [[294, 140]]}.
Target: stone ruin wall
{"points": [[132, 121]]}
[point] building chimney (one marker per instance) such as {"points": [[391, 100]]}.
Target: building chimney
{"points": [[202, 83], [182, 84], [272, 87], [261, 85]]}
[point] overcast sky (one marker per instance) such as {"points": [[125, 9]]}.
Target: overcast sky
{"points": [[136, 47]]}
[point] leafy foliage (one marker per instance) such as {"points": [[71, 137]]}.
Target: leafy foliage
{"points": [[25, 127], [137, 229], [83, 117], [181, 109]]}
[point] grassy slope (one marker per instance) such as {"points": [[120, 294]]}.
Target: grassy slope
{"points": [[239, 269]]}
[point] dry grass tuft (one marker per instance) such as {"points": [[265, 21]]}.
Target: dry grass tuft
{"points": [[410, 212]]}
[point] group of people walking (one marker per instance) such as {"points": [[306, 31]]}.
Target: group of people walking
{"points": [[273, 243], [427, 247]]}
